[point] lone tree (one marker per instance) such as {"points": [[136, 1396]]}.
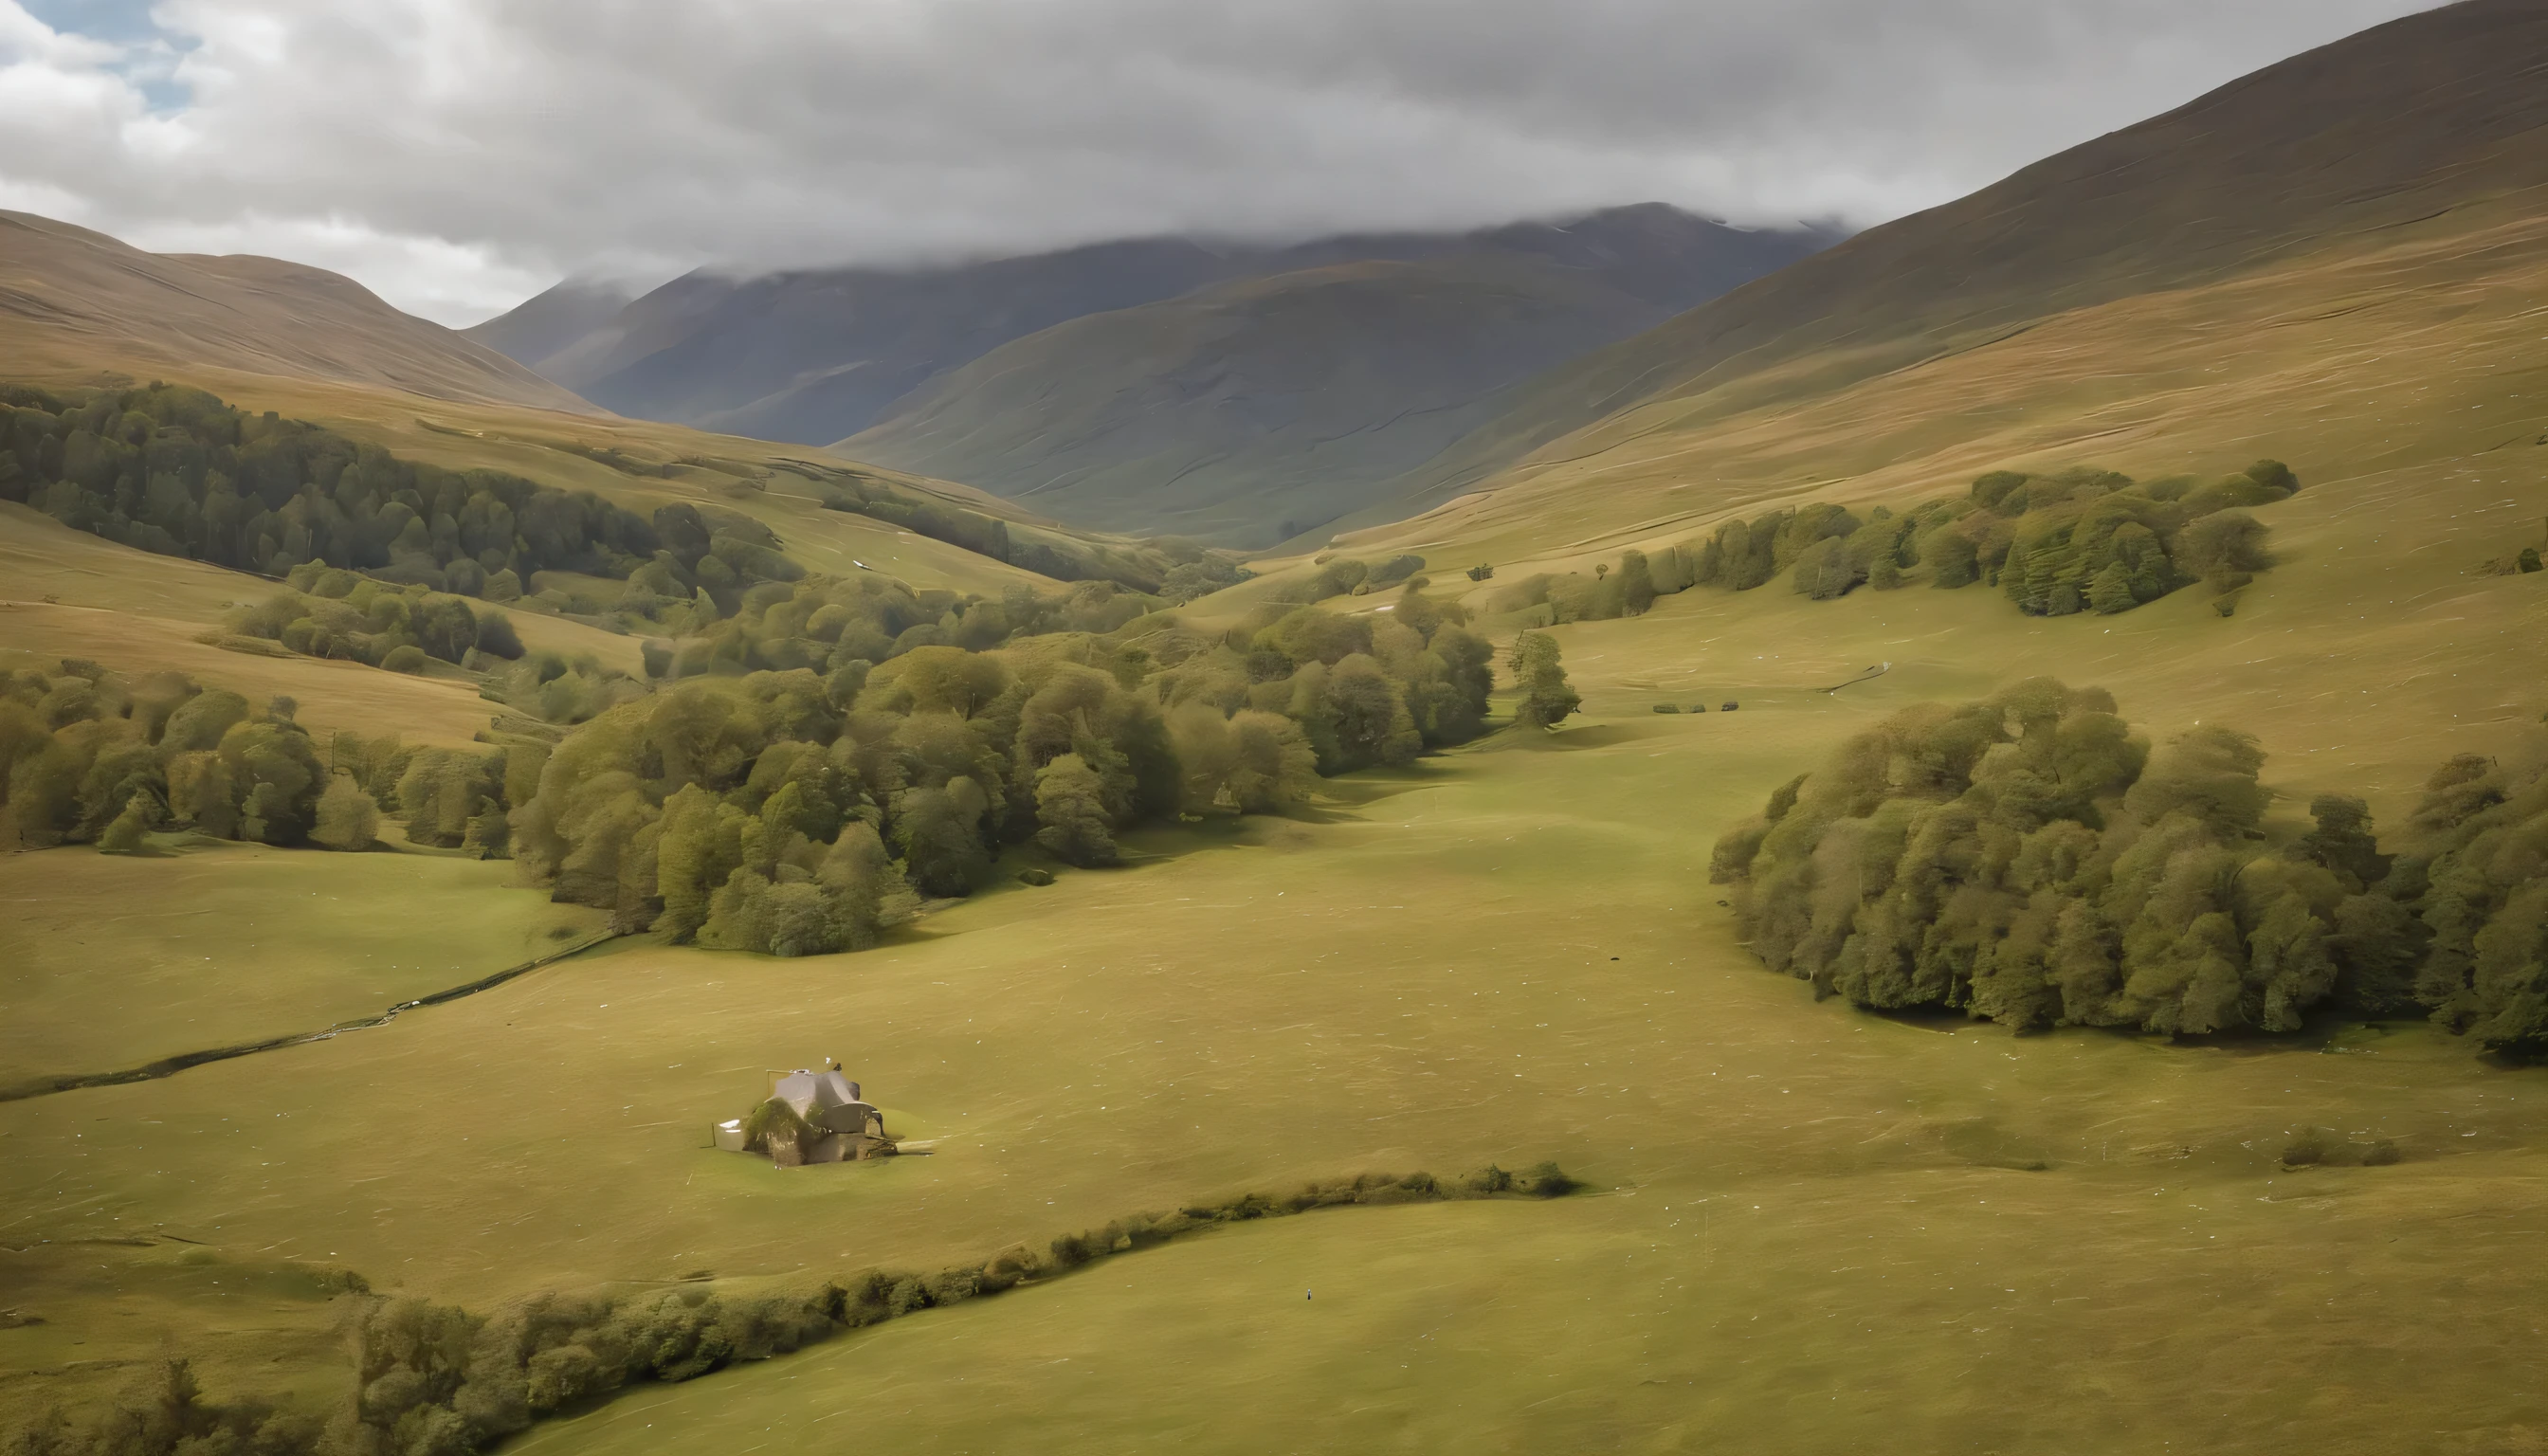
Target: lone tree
{"points": [[1546, 699]]}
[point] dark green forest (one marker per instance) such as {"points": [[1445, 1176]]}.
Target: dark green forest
{"points": [[2029, 859], [2079, 540], [175, 471]]}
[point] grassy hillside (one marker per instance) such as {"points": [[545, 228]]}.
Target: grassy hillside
{"points": [[70, 594], [81, 302], [2358, 196], [642, 465]]}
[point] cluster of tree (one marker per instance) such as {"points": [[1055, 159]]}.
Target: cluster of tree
{"points": [[339, 615], [795, 805], [2028, 859], [326, 612], [436, 1379], [1205, 573], [1548, 599], [177, 472], [2080, 540], [827, 624], [754, 812], [707, 562], [2476, 881], [1343, 576], [1364, 689], [971, 530], [2094, 541], [556, 688], [1025, 548], [88, 756], [781, 793]]}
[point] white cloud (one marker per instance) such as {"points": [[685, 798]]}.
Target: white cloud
{"points": [[454, 154]]}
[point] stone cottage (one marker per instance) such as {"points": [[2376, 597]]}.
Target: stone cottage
{"points": [[810, 1117]]}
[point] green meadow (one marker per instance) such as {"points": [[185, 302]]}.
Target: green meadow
{"points": [[1807, 1226], [112, 962]]}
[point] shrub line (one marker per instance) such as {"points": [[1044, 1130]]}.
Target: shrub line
{"points": [[436, 1379]]}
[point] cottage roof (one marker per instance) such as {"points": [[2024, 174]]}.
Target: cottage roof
{"points": [[825, 1099]]}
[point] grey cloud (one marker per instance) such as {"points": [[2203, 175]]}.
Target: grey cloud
{"points": [[456, 153]]}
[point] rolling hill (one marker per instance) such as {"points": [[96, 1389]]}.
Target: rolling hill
{"points": [[74, 301]]}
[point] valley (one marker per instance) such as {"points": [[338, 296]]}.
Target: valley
{"points": [[1129, 741]]}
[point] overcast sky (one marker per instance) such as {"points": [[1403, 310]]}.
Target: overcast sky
{"points": [[457, 155]]}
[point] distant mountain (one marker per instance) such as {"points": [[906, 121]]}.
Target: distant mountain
{"points": [[75, 301], [2424, 127], [1156, 383], [555, 320], [1253, 410], [811, 356]]}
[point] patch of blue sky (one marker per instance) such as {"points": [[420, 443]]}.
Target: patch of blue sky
{"points": [[150, 52]]}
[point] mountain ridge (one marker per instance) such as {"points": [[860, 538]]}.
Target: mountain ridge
{"points": [[783, 355]]}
